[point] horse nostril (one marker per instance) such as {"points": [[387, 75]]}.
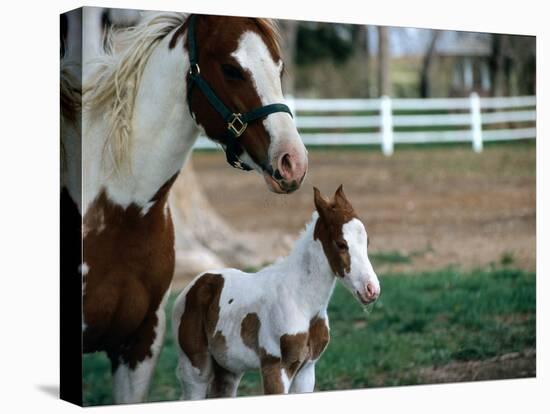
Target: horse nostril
{"points": [[285, 166], [371, 291], [277, 175]]}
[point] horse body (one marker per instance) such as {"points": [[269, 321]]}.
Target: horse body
{"points": [[137, 133], [128, 235], [275, 320]]}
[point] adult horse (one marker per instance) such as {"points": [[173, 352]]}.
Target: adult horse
{"points": [[140, 118]]}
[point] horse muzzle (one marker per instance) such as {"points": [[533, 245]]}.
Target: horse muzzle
{"points": [[288, 174]]}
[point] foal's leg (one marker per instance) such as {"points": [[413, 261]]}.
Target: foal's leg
{"points": [[134, 367], [194, 381], [274, 377], [224, 383], [304, 381]]}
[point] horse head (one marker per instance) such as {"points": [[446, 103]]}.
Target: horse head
{"points": [[240, 61]]}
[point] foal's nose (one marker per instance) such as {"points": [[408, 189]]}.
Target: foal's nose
{"points": [[372, 291]]}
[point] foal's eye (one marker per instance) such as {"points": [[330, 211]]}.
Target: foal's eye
{"points": [[342, 246], [232, 72]]}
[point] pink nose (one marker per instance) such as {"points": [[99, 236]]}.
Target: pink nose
{"points": [[291, 170], [372, 291]]}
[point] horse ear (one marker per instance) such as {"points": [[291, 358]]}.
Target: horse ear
{"points": [[339, 195], [321, 203]]}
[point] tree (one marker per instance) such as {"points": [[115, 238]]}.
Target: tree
{"points": [[289, 34], [498, 60], [364, 54], [384, 76], [426, 65]]}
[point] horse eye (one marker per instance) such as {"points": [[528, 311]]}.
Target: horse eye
{"points": [[342, 246], [232, 72]]}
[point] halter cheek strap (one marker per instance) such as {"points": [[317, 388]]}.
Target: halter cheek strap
{"points": [[236, 123]]}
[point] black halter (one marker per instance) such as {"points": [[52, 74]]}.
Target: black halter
{"points": [[236, 122]]}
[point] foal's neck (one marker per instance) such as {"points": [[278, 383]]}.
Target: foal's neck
{"points": [[309, 272]]}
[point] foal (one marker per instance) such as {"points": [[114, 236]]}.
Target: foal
{"points": [[227, 322]]}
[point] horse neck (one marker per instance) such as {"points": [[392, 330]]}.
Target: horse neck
{"points": [[309, 277], [163, 134]]}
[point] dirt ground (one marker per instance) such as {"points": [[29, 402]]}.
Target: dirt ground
{"points": [[435, 206], [512, 365]]}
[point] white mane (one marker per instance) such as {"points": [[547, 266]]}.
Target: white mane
{"points": [[113, 85]]}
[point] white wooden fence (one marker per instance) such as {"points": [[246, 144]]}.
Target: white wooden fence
{"points": [[387, 121]]}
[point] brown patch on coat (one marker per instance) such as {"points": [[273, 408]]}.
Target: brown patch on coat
{"points": [[223, 383], [270, 365], [217, 38], [131, 263], [294, 352], [250, 329], [271, 374], [199, 319], [319, 337], [333, 214]]}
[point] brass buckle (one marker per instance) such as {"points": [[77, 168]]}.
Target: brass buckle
{"points": [[236, 125]]}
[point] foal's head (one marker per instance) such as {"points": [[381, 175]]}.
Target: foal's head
{"points": [[345, 242], [241, 61]]}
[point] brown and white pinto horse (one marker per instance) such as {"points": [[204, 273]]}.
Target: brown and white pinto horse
{"points": [[137, 132], [227, 322]]}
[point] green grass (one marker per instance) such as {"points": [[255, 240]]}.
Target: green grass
{"points": [[389, 257], [420, 320]]}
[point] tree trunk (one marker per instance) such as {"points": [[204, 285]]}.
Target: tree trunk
{"points": [[426, 65], [498, 63], [289, 32], [364, 54], [384, 78]]}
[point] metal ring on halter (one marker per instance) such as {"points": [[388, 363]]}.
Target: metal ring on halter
{"points": [[195, 69]]}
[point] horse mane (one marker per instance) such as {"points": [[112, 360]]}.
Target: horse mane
{"points": [[113, 86], [70, 103]]}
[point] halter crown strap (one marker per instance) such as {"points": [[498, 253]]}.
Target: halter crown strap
{"points": [[236, 123]]}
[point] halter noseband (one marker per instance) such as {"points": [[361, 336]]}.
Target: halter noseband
{"points": [[236, 123]]}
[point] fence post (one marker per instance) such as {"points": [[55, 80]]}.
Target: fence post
{"points": [[386, 127], [475, 113]]}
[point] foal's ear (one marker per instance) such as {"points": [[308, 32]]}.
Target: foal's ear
{"points": [[321, 203], [339, 196]]}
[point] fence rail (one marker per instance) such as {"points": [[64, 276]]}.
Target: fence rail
{"points": [[387, 121]]}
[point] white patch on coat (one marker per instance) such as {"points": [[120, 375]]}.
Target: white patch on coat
{"points": [[132, 385], [254, 56], [285, 380], [361, 270], [146, 208], [304, 380], [163, 134]]}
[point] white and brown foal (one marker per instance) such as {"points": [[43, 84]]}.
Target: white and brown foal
{"points": [[227, 322]]}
